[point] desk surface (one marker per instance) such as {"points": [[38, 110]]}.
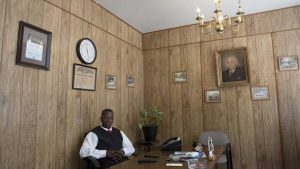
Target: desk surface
{"points": [[161, 164]]}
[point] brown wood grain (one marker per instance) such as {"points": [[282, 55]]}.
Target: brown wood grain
{"points": [[11, 91], [62, 92], [42, 115], [285, 45], [28, 123], [2, 17], [258, 23], [77, 7]]}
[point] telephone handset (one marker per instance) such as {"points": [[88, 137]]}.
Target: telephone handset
{"points": [[172, 144]]}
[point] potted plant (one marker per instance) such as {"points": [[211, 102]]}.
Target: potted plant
{"points": [[149, 121]]}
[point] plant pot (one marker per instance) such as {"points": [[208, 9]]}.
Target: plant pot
{"points": [[150, 133]]}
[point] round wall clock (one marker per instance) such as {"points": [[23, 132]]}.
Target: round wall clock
{"points": [[86, 51]]}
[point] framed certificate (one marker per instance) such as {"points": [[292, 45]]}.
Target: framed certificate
{"points": [[34, 46], [84, 77]]}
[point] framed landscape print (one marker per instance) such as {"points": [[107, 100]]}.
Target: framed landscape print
{"points": [[260, 93], [34, 46], [130, 80], [84, 77], [212, 96], [288, 63], [232, 67], [111, 82], [180, 77]]}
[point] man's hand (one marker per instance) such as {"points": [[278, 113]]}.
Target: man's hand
{"points": [[116, 155]]}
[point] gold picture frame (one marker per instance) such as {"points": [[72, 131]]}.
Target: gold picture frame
{"points": [[232, 67]]}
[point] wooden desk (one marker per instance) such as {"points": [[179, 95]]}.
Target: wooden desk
{"points": [[163, 156]]}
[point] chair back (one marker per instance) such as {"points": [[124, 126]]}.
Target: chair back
{"points": [[219, 138]]}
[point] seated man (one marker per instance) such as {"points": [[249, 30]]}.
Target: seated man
{"points": [[106, 143]]}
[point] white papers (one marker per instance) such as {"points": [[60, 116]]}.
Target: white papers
{"points": [[174, 164], [34, 51], [186, 153]]}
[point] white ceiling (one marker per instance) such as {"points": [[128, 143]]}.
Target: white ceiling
{"points": [[153, 15]]}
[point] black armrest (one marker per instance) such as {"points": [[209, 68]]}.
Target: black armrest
{"points": [[134, 154], [228, 156], [93, 161]]}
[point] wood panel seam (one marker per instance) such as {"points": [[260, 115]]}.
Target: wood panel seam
{"points": [[93, 24], [245, 36]]}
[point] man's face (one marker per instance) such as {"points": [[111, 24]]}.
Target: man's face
{"points": [[231, 62], [107, 119]]}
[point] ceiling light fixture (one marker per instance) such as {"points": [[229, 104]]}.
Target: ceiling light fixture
{"points": [[220, 22]]}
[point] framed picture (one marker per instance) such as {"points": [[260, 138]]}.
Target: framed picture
{"points": [[260, 93], [232, 67], [212, 96], [111, 82], [288, 63], [180, 77], [130, 80], [34, 46], [84, 77]]}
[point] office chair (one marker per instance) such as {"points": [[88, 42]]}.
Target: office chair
{"points": [[219, 139]]}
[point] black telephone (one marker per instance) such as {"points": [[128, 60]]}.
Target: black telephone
{"points": [[172, 144]]}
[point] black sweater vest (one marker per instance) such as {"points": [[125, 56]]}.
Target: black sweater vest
{"points": [[108, 141]]}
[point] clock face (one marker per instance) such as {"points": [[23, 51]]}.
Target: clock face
{"points": [[86, 51]]}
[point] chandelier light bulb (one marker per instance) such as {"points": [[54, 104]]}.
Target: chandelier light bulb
{"points": [[220, 21]]}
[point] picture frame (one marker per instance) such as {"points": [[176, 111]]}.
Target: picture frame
{"points": [[180, 77], [84, 77], [130, 80], [34, 46], [232, 67], [288, 63], [111, 82], [260, 93], [212, 96]]}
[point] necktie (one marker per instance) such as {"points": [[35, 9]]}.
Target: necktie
{"points": [[109, 131]]}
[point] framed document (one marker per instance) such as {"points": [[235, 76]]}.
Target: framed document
{"points": [[34, 46], [260, 93], [180, 77], [212, 96], [288, 63], [111, 82], [130, 80], [84, 77]]}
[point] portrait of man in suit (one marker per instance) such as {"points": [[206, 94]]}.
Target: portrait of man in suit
{"points": [[233, 67]]}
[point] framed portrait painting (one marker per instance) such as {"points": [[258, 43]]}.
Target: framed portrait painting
{"points": [[34, 46], [232, 67]]}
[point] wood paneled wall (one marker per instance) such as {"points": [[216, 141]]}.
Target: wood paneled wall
{"points": [[42, 120], [264, 134]]}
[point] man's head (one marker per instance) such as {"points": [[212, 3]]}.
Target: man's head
{"points": [[231, 62], [107, 118]]}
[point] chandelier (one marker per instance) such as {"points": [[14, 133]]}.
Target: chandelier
{"points": [[220, 22]]}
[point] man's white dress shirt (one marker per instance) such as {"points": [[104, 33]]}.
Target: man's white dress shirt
{"points": [[90, 142]]}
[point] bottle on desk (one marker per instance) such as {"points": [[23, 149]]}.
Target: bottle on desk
{"points": [[210, 149]]}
